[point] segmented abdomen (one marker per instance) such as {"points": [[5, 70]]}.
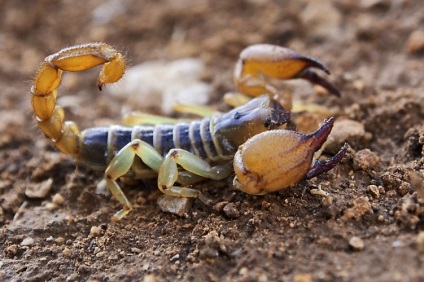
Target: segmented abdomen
{"points": [[99, 145]]}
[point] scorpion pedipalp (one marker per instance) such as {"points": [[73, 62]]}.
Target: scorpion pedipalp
{"points": [[260, 65], [276, 159]]}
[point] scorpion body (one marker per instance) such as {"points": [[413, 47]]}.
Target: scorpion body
{"points": [[207, 138], [186, 153]]}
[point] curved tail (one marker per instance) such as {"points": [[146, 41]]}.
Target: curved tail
{"points": [[50, 117]]}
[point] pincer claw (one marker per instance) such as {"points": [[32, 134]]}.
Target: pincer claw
{"points": [[276, 159], [314, 78], [320, 136], [261, 67], [319, 167]]}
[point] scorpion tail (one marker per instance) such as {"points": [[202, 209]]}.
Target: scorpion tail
{"points": [[50, 117]]}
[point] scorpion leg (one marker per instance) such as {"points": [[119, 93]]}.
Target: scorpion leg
{"points": [[139, 118], [198, 110], [122, 163], [168, 173]]}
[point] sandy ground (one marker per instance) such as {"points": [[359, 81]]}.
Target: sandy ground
{"points": [[370, 228]]}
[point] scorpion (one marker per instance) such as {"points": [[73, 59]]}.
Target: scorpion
{"points": [[249, 140]]}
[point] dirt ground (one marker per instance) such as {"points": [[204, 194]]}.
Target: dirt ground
{"points": [[369, 228]]}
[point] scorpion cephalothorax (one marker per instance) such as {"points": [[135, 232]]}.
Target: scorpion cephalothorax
{"points": [[266, 156]]}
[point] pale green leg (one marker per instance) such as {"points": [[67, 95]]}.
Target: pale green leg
{"points": [[201, 111], [186, 178], [138, 118], [168, 173], [122, 163], [235, 99]]}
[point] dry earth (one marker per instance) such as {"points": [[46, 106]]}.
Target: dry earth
{"points": [[370, 228]]}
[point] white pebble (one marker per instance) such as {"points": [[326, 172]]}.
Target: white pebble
{"points": [[356, 243], [96, 231], [28, 241], [58, 199]]}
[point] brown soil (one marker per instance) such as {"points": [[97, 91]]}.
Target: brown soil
{"points": [[370, 228]]}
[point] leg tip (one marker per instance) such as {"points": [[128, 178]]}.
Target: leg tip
{"points": [[120, 215]]}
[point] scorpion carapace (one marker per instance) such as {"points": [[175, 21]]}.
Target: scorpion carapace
{"points": [[188, 152]]}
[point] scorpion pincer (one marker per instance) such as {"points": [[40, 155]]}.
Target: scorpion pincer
{"points": [[266, 156]]}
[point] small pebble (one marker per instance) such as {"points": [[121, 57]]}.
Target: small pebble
{"points": [[100, 254], [327, 201], [404, 188], [175, 257], [174, 205], [366, 160], [58, 199], [244, 271], [67, 252], [51, 206], [373, 189], [358, 85], [208, 253], [12, 250], [145, 266], [397, 244], [28, 241], [356, 243], [319, 192], [361, 206], [135, 250], [96, 231], [231, 210], [266, 204], [219, 207]]}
